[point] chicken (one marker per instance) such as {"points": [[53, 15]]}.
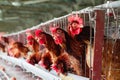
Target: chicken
{"points": [[110, 53], [6, 42], [66, 63], [18, 50], [75, 25], [69, 45], [46, 61], [82, 33], [33, 44], [35, 57], [50, 47], [111, 60], [2, 47], [78, 31]]}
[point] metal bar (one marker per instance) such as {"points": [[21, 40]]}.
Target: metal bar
{"points": [[98, 43], [114, 4], [30, 68], [5, 75]]}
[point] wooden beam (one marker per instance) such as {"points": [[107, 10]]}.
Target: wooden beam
{"points": [[98, 43]]}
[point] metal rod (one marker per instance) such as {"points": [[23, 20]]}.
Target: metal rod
{"points": [[98, 43]]}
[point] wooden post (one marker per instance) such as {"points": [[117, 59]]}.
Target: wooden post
{"points": [[98, 44]]}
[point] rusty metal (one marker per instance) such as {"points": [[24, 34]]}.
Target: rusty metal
{"points": [[98, 43]]}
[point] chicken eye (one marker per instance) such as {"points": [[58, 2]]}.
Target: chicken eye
{"points": [[59, 31]]}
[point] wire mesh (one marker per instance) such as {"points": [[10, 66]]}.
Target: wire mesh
{"points": [[112, 27], [111, 50]]}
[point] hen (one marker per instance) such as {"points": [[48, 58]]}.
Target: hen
{"points": [[82, 33], [70, 45], [52, 50], [111, 60], [66, 63], [18, 50], [35, 57], [78, 31], [110, 53], [7, 42], [46, 61], [72, 48], [32, 42], [2, 47]]}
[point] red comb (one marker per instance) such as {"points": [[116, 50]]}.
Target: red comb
{"points": [[1, 34], [0, 37], [53, 29], [37, 32], [54, 67], [29, 37], [75, 18]]}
